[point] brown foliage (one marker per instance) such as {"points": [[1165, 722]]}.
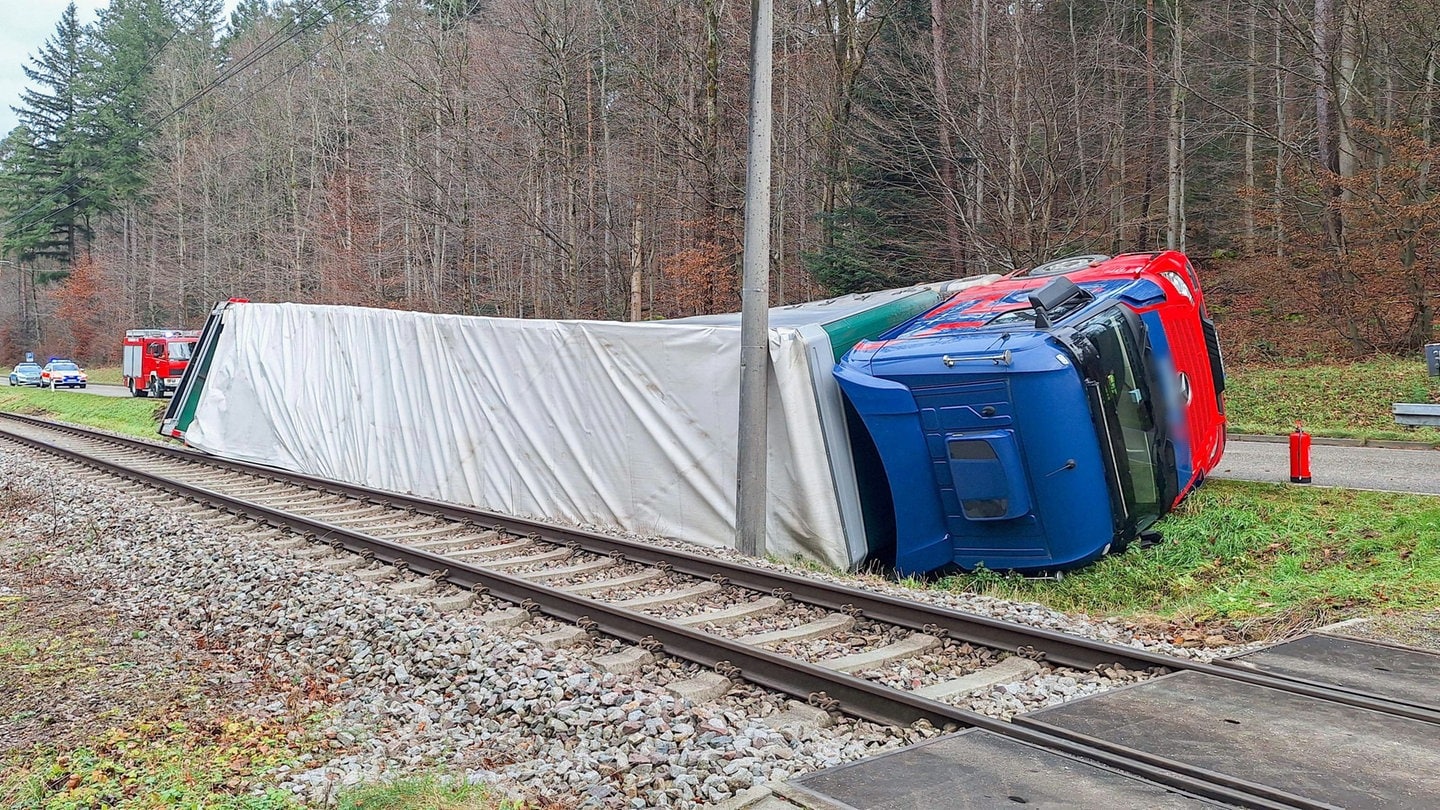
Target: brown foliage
{"points": [[86, 311], [1377, 291], [701, 280], [348, 236]]}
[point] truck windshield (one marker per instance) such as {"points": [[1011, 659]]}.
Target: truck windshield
{"points": [[1114, 359], [180, 350]]}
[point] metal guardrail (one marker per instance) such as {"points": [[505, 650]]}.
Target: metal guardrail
{"points": [[1416, 413]]}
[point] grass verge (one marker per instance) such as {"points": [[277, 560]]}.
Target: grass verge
{"points": [[156, 763], [423, 793], [134, 417], [77, 731], [1266, 558], [1349, 400], [105, 375]]}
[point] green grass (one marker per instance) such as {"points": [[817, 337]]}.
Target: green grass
{"points": [[135, 417], [150, 763], [153, 753], [1348, 400], [105, 375], [423, 793], [1272, 556]]}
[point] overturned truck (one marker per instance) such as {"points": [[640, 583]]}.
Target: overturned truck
{"points": [[626, 425], [634, 425]]}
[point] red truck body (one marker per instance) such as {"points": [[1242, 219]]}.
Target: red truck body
{"points": [[154, 359]]}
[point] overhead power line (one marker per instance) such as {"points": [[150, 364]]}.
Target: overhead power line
{"points": [[267, 46]]}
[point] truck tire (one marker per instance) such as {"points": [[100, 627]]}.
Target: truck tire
{"points": [[157, 388], [135, 390]]}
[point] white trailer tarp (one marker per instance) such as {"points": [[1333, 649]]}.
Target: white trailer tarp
{"points": [[585, 422]]}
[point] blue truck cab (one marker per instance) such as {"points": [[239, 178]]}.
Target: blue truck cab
{"points": [[1032, 424]]}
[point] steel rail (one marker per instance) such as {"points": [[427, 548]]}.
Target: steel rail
{"points": [[1056, 647], [1052, 646], [830, 689]]}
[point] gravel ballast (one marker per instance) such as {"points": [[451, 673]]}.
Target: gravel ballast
{"points": [[395, 686]]}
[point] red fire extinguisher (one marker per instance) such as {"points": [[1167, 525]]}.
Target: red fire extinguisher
{"points": [[1299, 456]]}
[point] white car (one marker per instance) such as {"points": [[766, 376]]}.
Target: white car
{"points": [[62, 374]]}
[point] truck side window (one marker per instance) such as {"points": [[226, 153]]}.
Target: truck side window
{"points": [[156, 349]]}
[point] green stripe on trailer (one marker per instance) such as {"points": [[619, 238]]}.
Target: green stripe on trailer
{"points": [[868, 324], [181, 410]]}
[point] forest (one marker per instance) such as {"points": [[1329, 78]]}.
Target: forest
{"points": [[586, 159]]}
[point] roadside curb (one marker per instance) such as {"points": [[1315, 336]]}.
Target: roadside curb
{"points": [[1388, 444]]}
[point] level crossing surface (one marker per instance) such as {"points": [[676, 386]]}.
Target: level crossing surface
{"points": [[1312, 752]]}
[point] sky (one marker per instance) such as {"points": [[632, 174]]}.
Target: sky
{"points": [[24, 27]]}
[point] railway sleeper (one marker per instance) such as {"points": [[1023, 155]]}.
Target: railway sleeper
{"points": [[570, 570], [799, 714], [374, 574], [908, 647], [505, 618], [413, 587], [820, 628], [445, 533], [703, 688], [348, 562], [669, 597], [453, 602], [566, 636], [489, 551], [626, 662], [732, 615], [516, 562], [1014, 668], [458, 542], [601, 585]]}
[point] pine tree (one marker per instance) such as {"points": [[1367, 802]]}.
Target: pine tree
{"points": [[128, 43], [52, 190], [248, 14]]}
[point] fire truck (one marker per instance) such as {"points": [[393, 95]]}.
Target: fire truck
{"points": [[154, 359]]}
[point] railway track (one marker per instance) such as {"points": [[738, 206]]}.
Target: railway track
{"points": [[695, 607]]}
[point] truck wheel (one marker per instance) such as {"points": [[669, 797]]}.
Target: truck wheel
{"points": [[135, 390], [157, 388]]}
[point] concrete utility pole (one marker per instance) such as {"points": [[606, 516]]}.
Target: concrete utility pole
{"points": [[751, 498]]}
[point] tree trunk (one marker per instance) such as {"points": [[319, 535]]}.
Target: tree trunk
{"points": [[1175, 187], [1251, 125], [1345, 90], [1325, 135], [1152, 135], [1278, 194], [1015, 230], [636, 257], [980, 68], [949, 199]]}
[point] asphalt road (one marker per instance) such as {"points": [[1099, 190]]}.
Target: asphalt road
{"points": [[1336, 466], [104, 390], [98, 389]]}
